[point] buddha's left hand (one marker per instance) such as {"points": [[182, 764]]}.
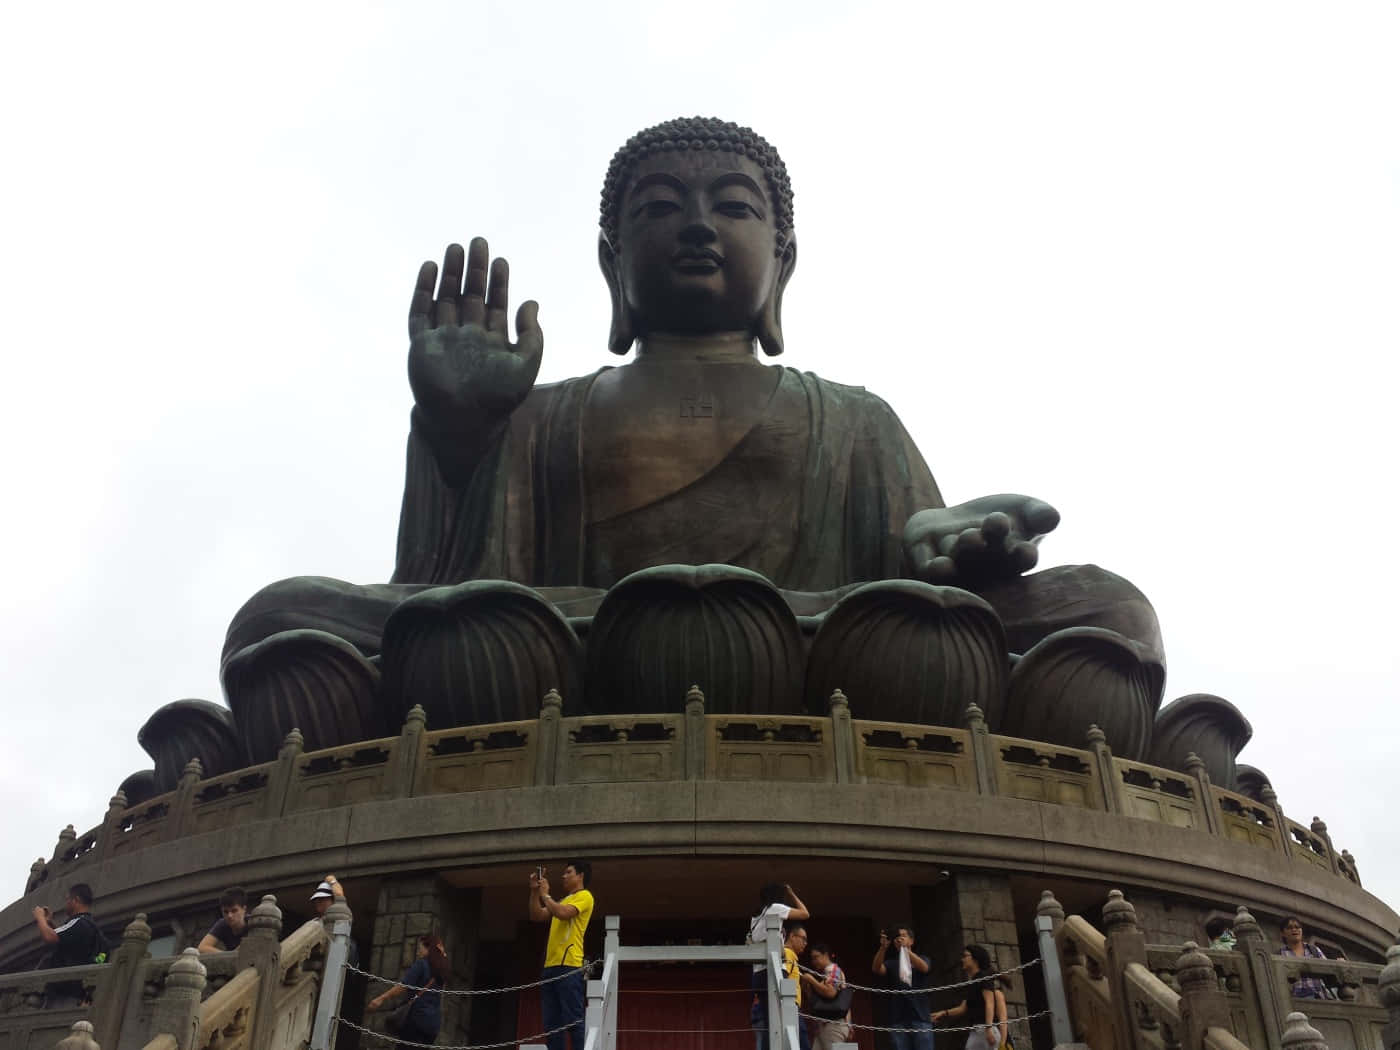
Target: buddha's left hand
{"points": [[989, 538]]}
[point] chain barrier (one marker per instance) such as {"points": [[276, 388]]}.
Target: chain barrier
{"points": [[477, 1046], [587, 965], [931, 1026], [928, 991]]}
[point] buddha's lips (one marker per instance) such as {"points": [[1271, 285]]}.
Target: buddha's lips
{"points": [[698, 259]]}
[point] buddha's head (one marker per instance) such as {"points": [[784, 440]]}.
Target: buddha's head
{"points": [[696, 234]]}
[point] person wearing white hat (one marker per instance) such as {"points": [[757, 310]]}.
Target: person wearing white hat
{"points": [[329, 889]]}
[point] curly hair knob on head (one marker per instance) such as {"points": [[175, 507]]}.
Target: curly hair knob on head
{"points": [[697, 133]]}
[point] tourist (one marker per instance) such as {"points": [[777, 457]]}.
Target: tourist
{"points": [[794, 944], [228, 931], [76, 942], [827, 986], [979, 1005], [907, 970], [1294, 945], [776, 898], [425, 979], [561, 997], [329, 890]]}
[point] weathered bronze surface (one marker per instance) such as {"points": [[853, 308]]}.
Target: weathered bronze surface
{"points": [[693, 453]]}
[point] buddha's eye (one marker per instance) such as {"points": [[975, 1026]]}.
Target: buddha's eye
{"points": [[737, 209], [658, 208]]}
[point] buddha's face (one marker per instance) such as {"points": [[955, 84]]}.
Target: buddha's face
{"points": [[696, 243]]}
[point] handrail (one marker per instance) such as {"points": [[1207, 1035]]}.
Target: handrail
{"points": [[1091, 942], [222, 1007], [1223, 1039]]}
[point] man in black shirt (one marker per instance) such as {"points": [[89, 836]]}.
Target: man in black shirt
{"points": [[77, 942], [904, 969], [225, 934]]}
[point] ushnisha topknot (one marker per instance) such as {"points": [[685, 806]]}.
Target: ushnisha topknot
{"points": [[698, 133]]}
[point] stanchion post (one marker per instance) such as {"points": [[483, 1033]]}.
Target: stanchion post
{"points": [[1048, 915], [773, 945], [337, 922], [612, 977]]}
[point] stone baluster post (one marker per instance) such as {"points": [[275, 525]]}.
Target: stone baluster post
{"points": [[983, 758], [1299, 1035], [181, 819], [1126, 944], [284, 772], [1389, 990], [111, 831], [80, 1038], [549, 755], [1203, 1004], [36, 875], [261, 948], [1109, 780], [1319, 828], [337, 922], [1275, 997], [1049, 916], [177, 1009], [66, 838], [695, 744], [121, 981], [1269, 797], [1196, 767], [843, 738], [409, 757]]}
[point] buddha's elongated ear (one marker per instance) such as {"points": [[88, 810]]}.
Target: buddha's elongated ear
{"points": [[770, 321], [621, 332]]}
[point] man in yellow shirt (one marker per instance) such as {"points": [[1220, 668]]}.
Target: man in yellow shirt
{"points": [[793, 947], [561, 997]]}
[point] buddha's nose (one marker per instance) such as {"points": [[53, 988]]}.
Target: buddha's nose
{"points": [[697, 229]]}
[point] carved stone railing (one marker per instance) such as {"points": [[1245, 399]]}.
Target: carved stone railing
{"points": [[694, 746], [261, 997], [1126, 993]]}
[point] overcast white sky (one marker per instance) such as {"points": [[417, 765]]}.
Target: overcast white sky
{"points": [[1140, 261]]}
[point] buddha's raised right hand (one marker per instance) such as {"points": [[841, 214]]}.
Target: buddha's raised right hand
{"points": [[467, 376]]}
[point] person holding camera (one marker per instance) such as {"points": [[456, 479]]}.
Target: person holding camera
{"points": [[906, 973], [562, 998]]}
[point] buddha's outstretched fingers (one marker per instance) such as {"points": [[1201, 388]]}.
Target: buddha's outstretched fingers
{"points": [[420, 307], [498, 296], [474, 294], [530, 337], [450, 288]]}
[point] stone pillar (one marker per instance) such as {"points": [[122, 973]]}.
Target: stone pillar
{"points": [[970, 908], [111, 826], [181, 819], [1049, 917], [1389, 989], [1269, 797], [1197, 768], [1319, 828], [80, 1039], [1203, 1004], [843, 738], [283, 772], [261, 948], [1275, 998], [695, 734], [1126, 945], [983, 760], [1110, 782], [177, 1009], [36, 875], [124, 973], [66, 838], [1299, 1035], [547, 750], [410, 906], [405, 772]]}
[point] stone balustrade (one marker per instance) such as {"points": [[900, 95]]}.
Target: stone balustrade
{"points": [[692, 745], [1124, 992], [262, 995]]}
